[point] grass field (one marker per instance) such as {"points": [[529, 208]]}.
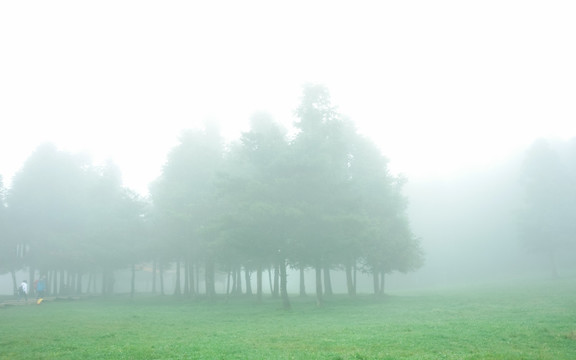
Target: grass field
{"points": [[536, 321]]}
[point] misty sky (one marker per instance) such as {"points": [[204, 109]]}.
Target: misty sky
{"points": [[441, 86]]}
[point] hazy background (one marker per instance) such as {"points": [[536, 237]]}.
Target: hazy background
{"points": [[442, 86], [451, 91]]}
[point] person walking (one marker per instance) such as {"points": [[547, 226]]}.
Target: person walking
{"points": [[23, 291], [40, 287]]}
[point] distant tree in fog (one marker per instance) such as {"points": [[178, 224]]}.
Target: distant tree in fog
{"points": [[186, 206], [548, 219], [323, 198], [115, 237], [340, 191], [259, 212], [66, 218], [386, 242], [10, 249], [48, 206], [320, 183]]}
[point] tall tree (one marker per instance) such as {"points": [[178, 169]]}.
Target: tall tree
{"points": [[255, 185], [547, 221], [48, 203], [184, 197], [340, 178], [10, 248], [320, 181], [114, 233], [386, 242], [72, 218]]}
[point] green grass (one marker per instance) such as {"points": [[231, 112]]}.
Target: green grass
{"points": [[491, 322]]}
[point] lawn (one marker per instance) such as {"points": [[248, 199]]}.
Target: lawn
{"points": [[523, 321]]}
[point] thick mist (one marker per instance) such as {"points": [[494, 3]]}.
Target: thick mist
{"points": [[468, 226]]}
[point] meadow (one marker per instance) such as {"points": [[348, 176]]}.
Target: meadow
{"points": [[520, 321]]}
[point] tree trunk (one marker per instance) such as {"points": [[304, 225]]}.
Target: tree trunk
{"points": [[210, 279], [327, 282], [248, 281], [111, 281], [154, 276], [191, 278], [270, 280], [276, 278], [79, 283], [14, 282], [186, 278], [197, 282], [376, 281], [284, 285], [161, 274], [355, 276], [70, 283], [89, 283], [94, 286], [259, 283], [107, 282], [238, 282], [104, 282], [54, 282], [228, 281], [232, 281], [382, 281], [350, 286], [319, 300], [177, 291], [31, 277], [302, 282], [62, 288], [133, 281]]}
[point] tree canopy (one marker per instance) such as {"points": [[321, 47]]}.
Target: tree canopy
{"points": [[69, 216], [320, 198]]}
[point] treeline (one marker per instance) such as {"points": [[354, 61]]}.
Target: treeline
{"points": [[320, 197]]}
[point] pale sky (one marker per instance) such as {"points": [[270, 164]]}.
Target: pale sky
{"points": [[441, 86]]}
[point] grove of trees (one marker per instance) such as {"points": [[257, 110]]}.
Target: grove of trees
{"points": [[320, 197]]}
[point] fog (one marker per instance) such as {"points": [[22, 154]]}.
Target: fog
{"points": [[469, 225], [441, 87], [469, 231], [452, 94]]}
